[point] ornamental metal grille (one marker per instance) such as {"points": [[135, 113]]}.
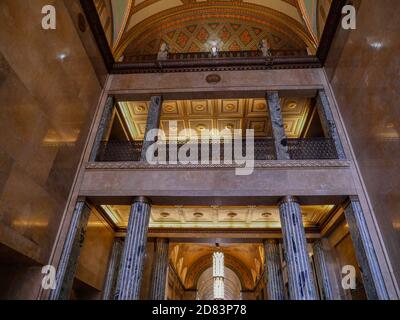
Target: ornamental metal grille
{"points": [[264, 149]]}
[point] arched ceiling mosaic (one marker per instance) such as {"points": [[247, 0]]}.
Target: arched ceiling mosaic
{"points": [[138, 26]]}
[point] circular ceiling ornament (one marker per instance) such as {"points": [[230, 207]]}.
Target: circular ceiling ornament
{"points": [[232, 214], [266, 214], [198, 215], [164, 214], [213, 78]]}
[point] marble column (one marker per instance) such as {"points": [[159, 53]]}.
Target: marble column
{"points": [[69, 258], [113, 269], [365, 253], [321, 266], [275, 286], [160, 269], [132, 263], [301, 283], [328, 122], [102, 128], [153, 122], [278, 130]]}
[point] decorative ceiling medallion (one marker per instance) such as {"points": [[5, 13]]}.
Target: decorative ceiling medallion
{"points": [[198, 214], [266, 214], [232, 214], [213, 78], [164, 214]]}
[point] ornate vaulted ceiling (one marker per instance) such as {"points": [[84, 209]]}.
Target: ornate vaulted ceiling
{"points": [[217, 216], [217, 115], [191, 260], [137, 27]]}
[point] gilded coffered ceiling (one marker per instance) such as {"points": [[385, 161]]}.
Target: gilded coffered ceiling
{"points": [[217, 216], [216, 115], [138, 26]]}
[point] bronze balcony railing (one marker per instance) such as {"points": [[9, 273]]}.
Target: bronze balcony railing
{"points": [[221, 55], [264, 149], [312, 149]]}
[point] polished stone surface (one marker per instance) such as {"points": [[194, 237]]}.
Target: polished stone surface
{"points": [[102, 127], [366, 257], [113, 270], [275, 286], [363, 68], [301, 282], [69, 259], [49, 90], [160, 269], [278, 130], [322, 270], [133, 257], [153, 122], [328, 122]]}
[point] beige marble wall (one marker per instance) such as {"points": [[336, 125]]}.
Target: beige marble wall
{"points": [[363, 69], [49, 89], [95, 252]]}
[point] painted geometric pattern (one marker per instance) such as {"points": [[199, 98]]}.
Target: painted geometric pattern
{"points": [[197, 37]]}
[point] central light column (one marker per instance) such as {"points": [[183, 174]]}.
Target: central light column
{"points": [[301, 284], [132, 263], [218, 275]]}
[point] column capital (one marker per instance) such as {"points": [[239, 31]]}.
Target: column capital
{"points": [[141, 199], [288, 199]]}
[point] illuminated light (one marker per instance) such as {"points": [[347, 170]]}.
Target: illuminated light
{"points": [[62, 56], [219, 275], [376, 45]]}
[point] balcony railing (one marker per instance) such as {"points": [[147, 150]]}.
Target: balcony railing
{"points": [[221, 55], [312, 149], [264, 149]]}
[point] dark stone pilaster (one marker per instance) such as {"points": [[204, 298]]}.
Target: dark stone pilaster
{"points": [[132, 263], [69, 258], [328, 122], [160, 269], [103, 125], [322, 270], [301, 283], [278, 130], [275, 286], [153, 122], [366, 257], [113, 269]]}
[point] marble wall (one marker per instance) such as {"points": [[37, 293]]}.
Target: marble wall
{"points": [[50, 84], [363, 68], [95, 252]]}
